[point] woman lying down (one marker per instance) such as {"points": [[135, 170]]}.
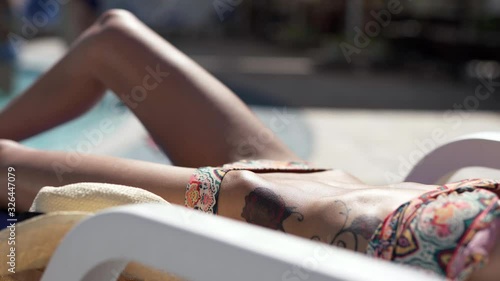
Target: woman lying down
{"points": [[452, 230]]}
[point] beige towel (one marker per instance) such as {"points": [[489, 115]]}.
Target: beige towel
{"points": [[64, 207]]}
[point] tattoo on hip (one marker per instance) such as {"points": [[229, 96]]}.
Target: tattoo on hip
{"points": [[348, 236], [265, 208]]}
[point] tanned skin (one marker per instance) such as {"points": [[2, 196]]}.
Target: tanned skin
{"points": [[339, 210], [197, 121]]}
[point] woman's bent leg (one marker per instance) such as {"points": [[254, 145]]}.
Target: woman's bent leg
{"points": [[195, 119]]}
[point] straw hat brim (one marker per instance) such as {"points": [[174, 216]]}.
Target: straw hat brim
{"points": [[37, 238]]}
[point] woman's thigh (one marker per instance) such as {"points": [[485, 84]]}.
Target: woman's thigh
{"points": [[195, 119]]}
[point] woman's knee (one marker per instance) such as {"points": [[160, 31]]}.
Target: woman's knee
{"points": [[115, 24], [114, 15], [110, 32], [111, 18]]}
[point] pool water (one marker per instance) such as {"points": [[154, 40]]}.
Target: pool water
{"points": [[67, 136]]}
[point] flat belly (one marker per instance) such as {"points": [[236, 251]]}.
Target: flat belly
{"points": [[339, 215], [313, 206]]}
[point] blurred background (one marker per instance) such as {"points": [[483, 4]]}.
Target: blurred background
{"points": [[361, 85]]}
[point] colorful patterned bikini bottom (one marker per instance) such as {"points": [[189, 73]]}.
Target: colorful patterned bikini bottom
{"points": [[202, 191], [449, 231]]}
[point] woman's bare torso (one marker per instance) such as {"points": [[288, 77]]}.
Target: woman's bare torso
{"points": [[331, 206]]}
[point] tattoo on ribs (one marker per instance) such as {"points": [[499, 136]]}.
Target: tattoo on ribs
{"points": [[363, 226], [266, 208]]}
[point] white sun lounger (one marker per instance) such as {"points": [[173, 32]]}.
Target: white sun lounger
{"points": [[197, 247], [474, 150]]}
